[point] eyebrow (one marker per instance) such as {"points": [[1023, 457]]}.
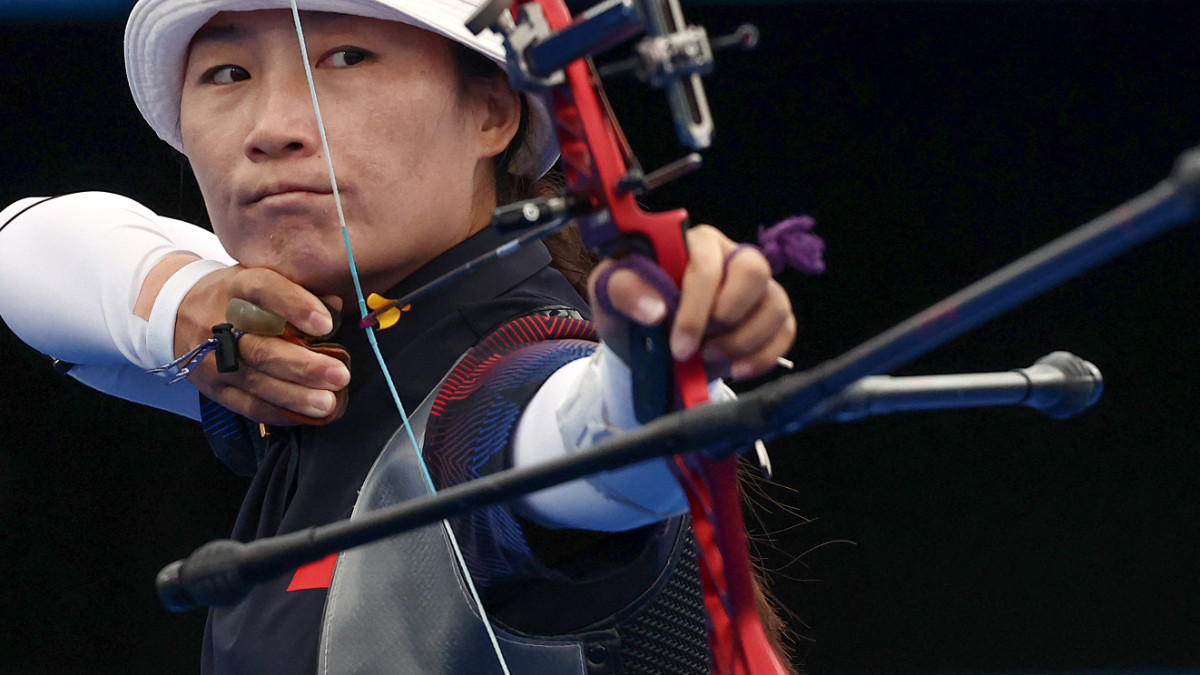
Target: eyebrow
{"points": [[229, 31], [221, 32]]}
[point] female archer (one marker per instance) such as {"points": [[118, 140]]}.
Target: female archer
{"points": [[420, 137]]}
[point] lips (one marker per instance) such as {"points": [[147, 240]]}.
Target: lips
{"points": [[277, 189]]}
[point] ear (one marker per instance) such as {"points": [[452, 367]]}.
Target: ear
{"points": [[499, 114]]}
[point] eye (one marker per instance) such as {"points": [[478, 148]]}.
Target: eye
{"points": [[226, 74], [344, 57]]}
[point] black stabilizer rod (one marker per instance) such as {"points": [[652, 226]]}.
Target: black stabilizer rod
{"points": [[1060, 384]]}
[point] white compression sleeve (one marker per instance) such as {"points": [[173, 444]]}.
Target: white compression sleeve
{"points": [[135, 384], [612, 501], [71, 269]]}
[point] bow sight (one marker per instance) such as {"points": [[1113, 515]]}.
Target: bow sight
{"points": [[672, 56]]}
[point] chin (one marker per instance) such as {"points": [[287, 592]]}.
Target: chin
{"points": [[320, 273], [319, 283]]}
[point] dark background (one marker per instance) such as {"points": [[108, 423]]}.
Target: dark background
{"points": [[933, 142]]}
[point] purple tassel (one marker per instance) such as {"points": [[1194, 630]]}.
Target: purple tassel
{"points": [[790, 242]]}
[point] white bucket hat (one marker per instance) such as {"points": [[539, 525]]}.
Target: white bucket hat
{"points": [[159, 32]]}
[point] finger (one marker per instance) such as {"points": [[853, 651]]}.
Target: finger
{"points": [[766, 358], [747, 276], [762, 337], [332, 301], [272, 291], [285, 361], [249, 406], [698, 292], [635, 299], [229, 390], [255, 394], [315, 403]]}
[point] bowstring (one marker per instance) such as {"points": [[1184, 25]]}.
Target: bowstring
{"points": [[362, 307]]}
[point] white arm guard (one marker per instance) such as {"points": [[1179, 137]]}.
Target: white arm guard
{"points": [[71, 269], [580, 405]]}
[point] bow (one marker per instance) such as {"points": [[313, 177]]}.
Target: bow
{"points": [[548, 54]]}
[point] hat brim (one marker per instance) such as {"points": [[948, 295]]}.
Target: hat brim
{"points": [[159, 32]]}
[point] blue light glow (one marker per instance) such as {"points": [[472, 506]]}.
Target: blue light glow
{"points": [[64, 10]]}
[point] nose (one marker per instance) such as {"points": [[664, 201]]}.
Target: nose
{"points": [[285, 124]]}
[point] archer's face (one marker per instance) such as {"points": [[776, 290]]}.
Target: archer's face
{"points": [[409, 145]]}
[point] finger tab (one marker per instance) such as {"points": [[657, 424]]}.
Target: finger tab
{"points": [[247, 316]]}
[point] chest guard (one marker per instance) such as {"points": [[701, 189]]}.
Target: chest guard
{"points": [[400, 605]]}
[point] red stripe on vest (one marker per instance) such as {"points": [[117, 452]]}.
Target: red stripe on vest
{"points": [[317, 574]]}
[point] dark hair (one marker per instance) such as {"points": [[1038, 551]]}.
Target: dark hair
{"points": [[567, 252]]}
